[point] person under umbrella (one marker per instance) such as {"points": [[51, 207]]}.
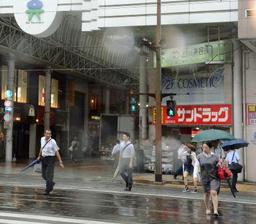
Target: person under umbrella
{"points": [[233, 157], [207, 163]]}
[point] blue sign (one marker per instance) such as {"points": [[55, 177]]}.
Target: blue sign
{"points": [[8, 94], [8, 109]]}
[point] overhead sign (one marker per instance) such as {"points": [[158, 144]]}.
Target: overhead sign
{"points": [[209, 52], [37, 17], [218, 114]]}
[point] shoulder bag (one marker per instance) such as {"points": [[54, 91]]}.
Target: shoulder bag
{"points": [[234, 166]]}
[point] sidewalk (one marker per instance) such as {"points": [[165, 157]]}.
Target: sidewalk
{"points": [[169, 181], [97, 176]]}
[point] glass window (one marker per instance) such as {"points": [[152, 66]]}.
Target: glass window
{"points": [[54, 92], [41, 90], [4, 74], [20, 84]]}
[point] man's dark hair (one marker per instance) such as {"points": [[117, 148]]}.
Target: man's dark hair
{"points": [[127, 134]]}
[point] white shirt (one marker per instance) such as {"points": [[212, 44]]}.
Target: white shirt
{"points": [[229, 157], [126, 152], [50, 148]]}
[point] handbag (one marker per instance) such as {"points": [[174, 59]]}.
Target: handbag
{"points": [[223, 173], [235, 167]]}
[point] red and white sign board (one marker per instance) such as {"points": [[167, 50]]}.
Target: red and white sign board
{"points": [[217, 114]]}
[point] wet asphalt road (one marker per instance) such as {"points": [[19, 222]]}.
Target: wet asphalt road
{"points": [[117, 208]]}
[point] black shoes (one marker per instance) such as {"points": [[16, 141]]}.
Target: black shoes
{"points": [[47, 192], [51, 188], [128, 189]]}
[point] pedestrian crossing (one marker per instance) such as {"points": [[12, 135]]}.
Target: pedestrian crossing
{"points": [[22, 218]]}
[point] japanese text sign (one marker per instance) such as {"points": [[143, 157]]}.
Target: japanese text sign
{"points": [[217, 114]]}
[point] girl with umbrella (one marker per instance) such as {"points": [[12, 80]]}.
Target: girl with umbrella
{"points": [[207, 163]]}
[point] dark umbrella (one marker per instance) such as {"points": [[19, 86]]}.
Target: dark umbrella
{"points": [[234, 144], [30, 165], [212, 135], [231, 188]]}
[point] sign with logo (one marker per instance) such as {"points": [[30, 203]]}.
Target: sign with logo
{"points": [[218, 114], [209, 52], [37, 17], [197, 88]]}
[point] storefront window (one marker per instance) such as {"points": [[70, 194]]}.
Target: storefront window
{"points": [[20, 84], [3, 73], [54, 92]]}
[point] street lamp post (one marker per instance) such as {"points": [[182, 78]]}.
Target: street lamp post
{"points": [[158, 125]]}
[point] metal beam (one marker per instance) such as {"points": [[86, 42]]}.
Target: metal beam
{"points": [[61, 59]]}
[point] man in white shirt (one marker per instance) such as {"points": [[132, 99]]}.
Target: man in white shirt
{"points": [[49, 149], [233, 157], [127, 154]]}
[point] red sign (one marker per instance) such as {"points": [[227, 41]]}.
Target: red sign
{"points": [[220, 114]]}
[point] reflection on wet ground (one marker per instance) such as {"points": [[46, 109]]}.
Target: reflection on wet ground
{"points": [[119, 207]]}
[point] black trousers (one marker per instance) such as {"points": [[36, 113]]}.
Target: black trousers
{"points": [[48, 171], [234, 180], [126, 172]]}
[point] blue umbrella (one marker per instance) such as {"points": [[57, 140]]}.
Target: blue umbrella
{"points": [[234, 144], [30, 165]]}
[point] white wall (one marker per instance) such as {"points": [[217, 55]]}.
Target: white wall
{"points": [[250, 151], [116, 13]]}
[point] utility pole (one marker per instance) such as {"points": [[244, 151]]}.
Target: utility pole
{"points": [[158, 125]]}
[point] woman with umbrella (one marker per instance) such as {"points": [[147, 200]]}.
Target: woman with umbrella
{"points": [[207, 163]]}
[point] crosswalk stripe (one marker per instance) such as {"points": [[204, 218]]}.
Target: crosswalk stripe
{"points": [[9, 221], [29, 217]]}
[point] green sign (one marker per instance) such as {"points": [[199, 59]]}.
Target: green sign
{"points": [[212, 52]]}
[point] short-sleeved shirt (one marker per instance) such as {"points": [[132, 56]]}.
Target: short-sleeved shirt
{"points": [[50, 148], [208, 166], [126, 149], [232, 156]]}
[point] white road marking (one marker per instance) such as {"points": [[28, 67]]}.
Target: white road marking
{"points": [[29, 217]]}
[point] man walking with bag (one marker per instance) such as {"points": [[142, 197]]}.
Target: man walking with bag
{"points": [[126, 157], [49, 149]]}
